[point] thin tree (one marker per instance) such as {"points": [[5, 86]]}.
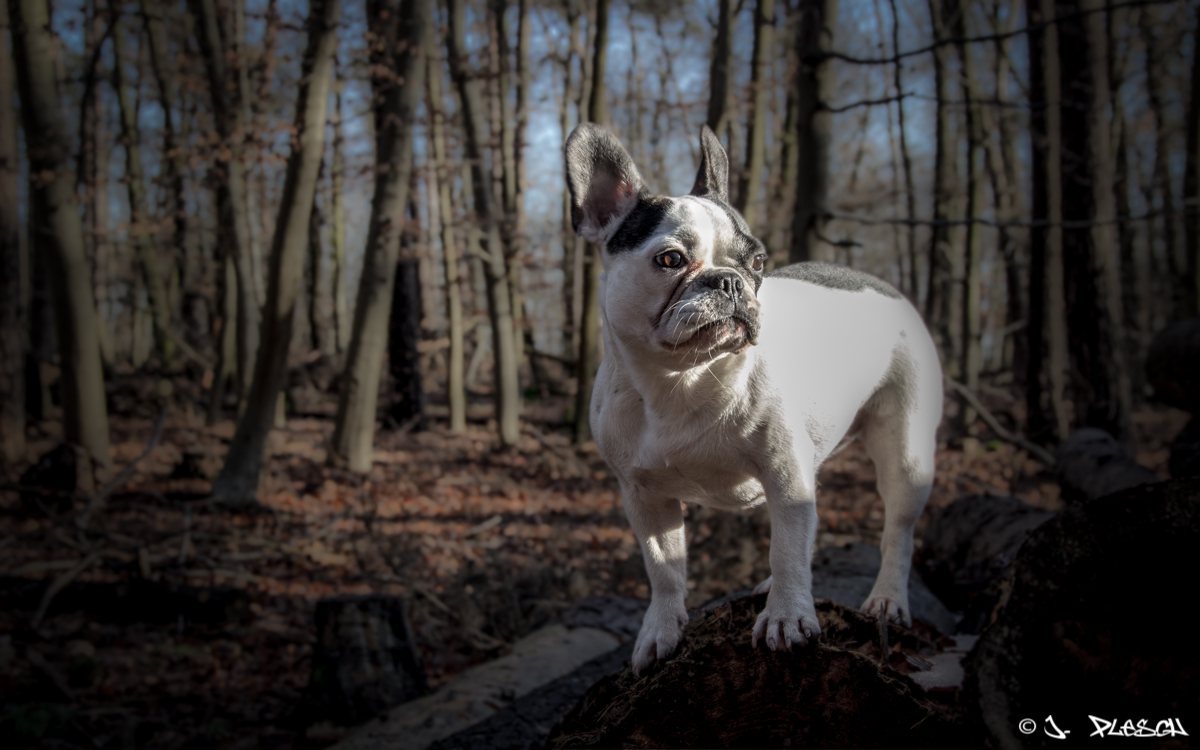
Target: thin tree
{"points": [[1191, 182], [438, 181], [971, 347], [233, 206], [1047, 329], [589, 340], [398, 72], [12, 298], [139, 211], [54, 217], [721, 67], [337, 274], [910, 193], [238, 481], [495, 267], [814, 86], [939, 299], [764, 46]]}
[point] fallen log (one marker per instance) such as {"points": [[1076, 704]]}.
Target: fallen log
{"points": [[717, 691], [1083, 632], [967, 548], [1092, 464]]}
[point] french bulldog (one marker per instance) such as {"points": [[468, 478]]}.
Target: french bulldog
{"points": [[727, 388]]}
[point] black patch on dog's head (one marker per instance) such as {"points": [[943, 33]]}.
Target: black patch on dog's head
{"points": [[640, 224]]}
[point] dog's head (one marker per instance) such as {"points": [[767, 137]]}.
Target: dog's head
{"points": [[681, 275]]}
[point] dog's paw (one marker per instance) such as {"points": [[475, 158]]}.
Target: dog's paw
{"points": [[764, 587], [893, 608], [661, 628], [786, 621]]}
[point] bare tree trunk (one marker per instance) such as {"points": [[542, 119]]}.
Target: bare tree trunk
{"points": [[439, 179], [764, 47], [1110, 307], [1191, 183], [1047, 329], [139, 213], [312, 274], [499, 295], [174, 155], [55, 219], [13, 317], [337, 275], [225, 373], [399, 30], [238, 481], [589, 339], [972, 320], [939, 301], [814, 86], [572, 244], [721, 67], [910, 197], [233, 207]]}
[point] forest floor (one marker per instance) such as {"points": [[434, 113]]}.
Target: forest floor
{"points": [[484, 544]]}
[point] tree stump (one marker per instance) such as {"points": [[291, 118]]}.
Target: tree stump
{"points": [[1092, 464], [365, 660], [968, 547], [1092, 625], [717, 691], [1173, 365]]}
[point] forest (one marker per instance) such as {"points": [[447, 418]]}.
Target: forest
{"points": [[292, 308]]}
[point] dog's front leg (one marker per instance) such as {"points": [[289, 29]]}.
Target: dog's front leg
{"points": [[790, 616], [658, 525]]}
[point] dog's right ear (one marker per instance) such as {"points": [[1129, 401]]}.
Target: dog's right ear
{"points": [[604, 183]]}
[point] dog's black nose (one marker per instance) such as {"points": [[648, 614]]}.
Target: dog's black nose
{"points": [[729, 282]]}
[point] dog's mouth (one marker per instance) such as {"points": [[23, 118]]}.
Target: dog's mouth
{"points": [[733, 332]]}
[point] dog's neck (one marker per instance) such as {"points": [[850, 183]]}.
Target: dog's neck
{"points": [[675, 385]]}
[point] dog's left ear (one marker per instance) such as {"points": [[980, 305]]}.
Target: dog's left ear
{"points": [[604, 183], [712, 180]]}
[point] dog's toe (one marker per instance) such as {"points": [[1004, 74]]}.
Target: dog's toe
{"points": [[785, 624], [888, 607], [764, 587]]}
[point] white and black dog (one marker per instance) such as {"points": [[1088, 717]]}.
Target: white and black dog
{"points": [[724, 388]]}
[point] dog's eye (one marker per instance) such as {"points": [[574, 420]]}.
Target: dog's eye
{"points": [[670, 259], [757, 263]]}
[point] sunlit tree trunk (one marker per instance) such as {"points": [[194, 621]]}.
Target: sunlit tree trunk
{"points": [[238, 481], [139, 213], [438, 180], [589, 339], [499, 294], [233, 201], [814, 87], [756, 146], [55, 219], [13, 318], [399, 30]]}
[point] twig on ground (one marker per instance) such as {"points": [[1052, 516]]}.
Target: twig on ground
{"points": [[61, 583], [52, 675], [990, 419], [96, 503]]}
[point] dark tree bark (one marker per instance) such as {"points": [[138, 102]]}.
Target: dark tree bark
{"points": [[814, 86], [750, 182], [238, 481], [720, 68], [12, 262], [404, 359], [1191, 183], [54, 214]]}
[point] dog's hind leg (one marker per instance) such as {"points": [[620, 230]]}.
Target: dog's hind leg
{"points": [[900, 435]]}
